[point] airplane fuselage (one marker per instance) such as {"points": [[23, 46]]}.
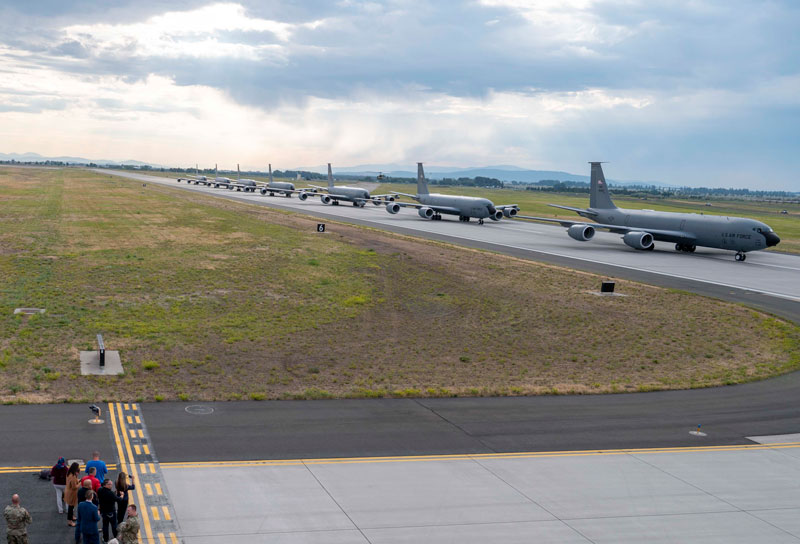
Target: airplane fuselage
{"points": [[468, 206], [349, 194], [716, 231]]}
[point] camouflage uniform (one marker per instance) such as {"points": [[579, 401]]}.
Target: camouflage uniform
{"points": [[17, 519], [128, 530]]}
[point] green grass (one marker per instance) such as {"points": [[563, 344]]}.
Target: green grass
{"points": [[209, 299]]}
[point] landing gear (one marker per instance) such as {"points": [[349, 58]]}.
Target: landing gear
{"points": [[463, 218], [688, 248], [480, 221], [437, 217], [740, 256], [335, 202]]}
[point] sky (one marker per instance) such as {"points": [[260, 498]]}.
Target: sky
{"points": [[700, 92]]}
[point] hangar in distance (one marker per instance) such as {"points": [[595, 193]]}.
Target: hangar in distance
{"points": [[433, 205], [641, 228]]}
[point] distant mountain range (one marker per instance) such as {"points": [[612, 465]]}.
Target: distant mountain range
{"points": [[35, 157], [501, 172]]}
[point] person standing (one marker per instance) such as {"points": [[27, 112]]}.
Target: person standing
{"points": [[108, 508], [128, 530], [88, 516], [123, 487], [99, 466], [90, 476], [17, 519], [71, 492], [59, 475]]}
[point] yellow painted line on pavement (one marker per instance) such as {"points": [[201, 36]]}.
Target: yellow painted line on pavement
{"points": [[174, 538], [146, 449], [149, 489], [156, 517], [134, 407], [161, 538], [152, 468], [137, 449], [461, 457], [133, 433], [141, 433], [142, 504], [166, 513], [22, 470], [143, 468], [158, 488], [125, 406], [130, 420]]}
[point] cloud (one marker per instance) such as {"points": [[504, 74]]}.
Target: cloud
{"points": [[665, 91]]}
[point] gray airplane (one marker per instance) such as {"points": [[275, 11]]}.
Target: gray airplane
{"points": [[432, 205], [196, 178], [335, 193], [641, 228], [272, 188]]}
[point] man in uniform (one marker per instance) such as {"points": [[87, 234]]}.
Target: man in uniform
{"points": [[17, 519], [128, 530]]}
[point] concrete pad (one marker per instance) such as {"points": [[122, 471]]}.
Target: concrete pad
{"points": [[787, 519], [321, 537], [747, 479], [448, 492], [722, 528], [251, 501], [540, 532], [602, 486], [90, 364], [775, 438]]}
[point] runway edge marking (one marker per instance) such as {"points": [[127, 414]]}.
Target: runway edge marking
{"points": [[471, 456]]}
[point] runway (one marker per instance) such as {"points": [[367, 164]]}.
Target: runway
{"points": [[766, 280]]}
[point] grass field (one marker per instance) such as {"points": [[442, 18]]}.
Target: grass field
{"points": [[210, 299], [535, 203]]}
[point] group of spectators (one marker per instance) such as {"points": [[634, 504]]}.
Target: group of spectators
{"points": [[87, 500]]}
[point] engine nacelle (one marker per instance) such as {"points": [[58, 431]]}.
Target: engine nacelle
{"points": [[425, 212], [496, 215], [263, 191], [302, 195], [325, 199], [510, 212], [581, 233], [638, 240], [393, 208]]}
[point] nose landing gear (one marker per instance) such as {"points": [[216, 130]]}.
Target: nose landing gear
{"points": [[740, 256]]}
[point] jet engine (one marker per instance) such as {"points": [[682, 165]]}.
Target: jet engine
{"points": [[325, 199], [639, 240], [496, 215], [581, 233], [393, 208], [425, 212], [263, 191], [302, 195], [510, 212]]}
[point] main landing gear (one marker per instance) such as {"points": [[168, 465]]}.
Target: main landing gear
{"points": [[463, 218], [480, 221], [688, 248], [740, 256]]}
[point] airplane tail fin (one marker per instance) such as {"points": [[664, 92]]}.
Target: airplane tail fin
{"points": [[215, 170], [330, 177], [270, 173], [599, 196], [422, 186], [238, 172]]}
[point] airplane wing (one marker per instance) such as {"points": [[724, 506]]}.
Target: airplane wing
{"points": [[403, 194], [579, 211], [675, 236]]}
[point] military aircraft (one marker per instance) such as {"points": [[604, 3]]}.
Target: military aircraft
{"points": [[641, 228], [335, 193], [432, 205], [284, 188], [197, 179]]}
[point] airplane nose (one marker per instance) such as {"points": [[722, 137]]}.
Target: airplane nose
{"points": [[772, 239]]}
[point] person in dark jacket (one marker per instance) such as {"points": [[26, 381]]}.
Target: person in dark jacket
{"points": [[59, 475], [108, 508], [88, 516], [123, 487]]}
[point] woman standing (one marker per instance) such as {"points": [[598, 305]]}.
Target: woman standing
{"points": [[122, 489], [59, 475], [71, 492]]}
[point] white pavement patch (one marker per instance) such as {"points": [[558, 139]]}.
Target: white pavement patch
{"points": [[733, 496]]}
